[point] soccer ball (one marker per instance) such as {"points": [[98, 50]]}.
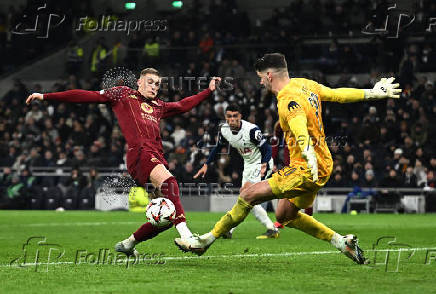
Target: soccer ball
{"points": [[160, 212]]}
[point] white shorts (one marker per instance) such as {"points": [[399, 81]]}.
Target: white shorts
{"points": [[251, 172]]}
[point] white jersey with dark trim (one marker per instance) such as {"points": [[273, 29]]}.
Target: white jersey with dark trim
{"points": [[247, 141]]}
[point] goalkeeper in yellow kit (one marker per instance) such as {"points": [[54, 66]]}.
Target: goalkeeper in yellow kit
{"points": [[299, 108]]}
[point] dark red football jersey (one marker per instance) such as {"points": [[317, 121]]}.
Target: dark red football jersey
{"points": [[137, 116]]}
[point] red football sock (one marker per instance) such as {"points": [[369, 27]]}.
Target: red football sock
{"points": [[309, 211], [148, 231], [170, 190]]}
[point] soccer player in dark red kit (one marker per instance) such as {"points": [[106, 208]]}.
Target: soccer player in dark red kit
{"points": [[139, 113]]}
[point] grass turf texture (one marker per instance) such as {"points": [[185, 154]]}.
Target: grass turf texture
{"points": [[292, 263]]}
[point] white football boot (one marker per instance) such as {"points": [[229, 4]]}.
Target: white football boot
{"points": [[349, 246], [119, 247], [195, 244]]}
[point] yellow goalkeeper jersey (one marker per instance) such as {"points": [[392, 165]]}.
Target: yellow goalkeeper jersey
{"points": [[302, 97]]}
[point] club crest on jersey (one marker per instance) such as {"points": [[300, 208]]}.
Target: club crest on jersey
{"points": [[293, 105], [146, 108], [154, 159], [258, 135], [133, 97]]}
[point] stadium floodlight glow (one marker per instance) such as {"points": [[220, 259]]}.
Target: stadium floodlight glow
{"points": [[130, 5], [177, 4]]}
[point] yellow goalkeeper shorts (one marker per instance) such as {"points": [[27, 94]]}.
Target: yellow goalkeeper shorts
{"points": [[295, 183]]}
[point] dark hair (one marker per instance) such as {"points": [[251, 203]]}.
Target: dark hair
{"points": [[149, 70], [271, 60], [233, 107]]}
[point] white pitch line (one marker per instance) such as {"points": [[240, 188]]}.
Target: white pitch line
{"points": [[283, 254]]}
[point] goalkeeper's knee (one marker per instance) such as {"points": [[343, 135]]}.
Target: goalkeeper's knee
{"points": [[286, 211]]}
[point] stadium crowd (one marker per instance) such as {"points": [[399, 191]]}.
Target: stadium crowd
{"points": [[216, 26], [378, 144]]}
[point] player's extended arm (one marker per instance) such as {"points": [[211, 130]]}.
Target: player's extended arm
{"points": [[203, 170], [298, 126], [186, 104], [222, 142], [75, 96], [382, 89]]}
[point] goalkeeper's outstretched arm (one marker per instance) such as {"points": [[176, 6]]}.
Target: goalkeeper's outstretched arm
{"points": [[382, 89]]}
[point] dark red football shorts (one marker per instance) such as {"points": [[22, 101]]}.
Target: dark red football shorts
{"points": [[140, 163]]}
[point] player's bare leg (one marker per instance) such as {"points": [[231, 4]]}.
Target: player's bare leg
{"points": [[159, 175], [164, 181], [281, 211], [284, 211]]}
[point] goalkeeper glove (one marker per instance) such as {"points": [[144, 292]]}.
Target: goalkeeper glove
{"points": [[310, 156], [383, 89]]}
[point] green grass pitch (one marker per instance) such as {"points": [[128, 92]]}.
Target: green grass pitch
{"points": [[294, 263]]}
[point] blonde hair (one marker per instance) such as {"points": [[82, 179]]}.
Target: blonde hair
{"points": [[149, 70]]}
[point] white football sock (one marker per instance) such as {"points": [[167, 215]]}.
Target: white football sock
{"points": [[130, 242], [262, 216], [338, 241], [183, 230]]}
